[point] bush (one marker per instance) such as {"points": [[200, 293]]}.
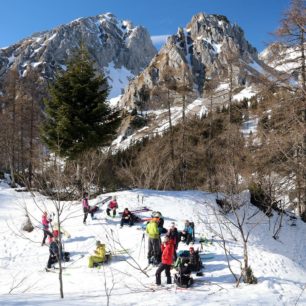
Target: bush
{"points": [[248, 276], [138, 122]]}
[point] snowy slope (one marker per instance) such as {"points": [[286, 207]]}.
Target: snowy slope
{"points": [[279, 265]]}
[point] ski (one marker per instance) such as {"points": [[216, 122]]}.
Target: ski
{"points": [[55, 270], [100, 203], [72, 261], [139, 210], [155, 287], [120, 252]]}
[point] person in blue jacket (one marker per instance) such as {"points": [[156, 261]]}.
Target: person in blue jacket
{"points": [[187, 233]]}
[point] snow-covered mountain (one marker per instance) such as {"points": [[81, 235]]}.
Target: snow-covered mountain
{"points": [[204, 49], [282, 58], [279, 265], [117, 47], [209, 47]]}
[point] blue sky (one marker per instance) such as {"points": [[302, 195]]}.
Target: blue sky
{"points": [[258, 18]]}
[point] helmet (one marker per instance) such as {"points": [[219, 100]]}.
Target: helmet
{"points": [[98, 243], [156, 214]]}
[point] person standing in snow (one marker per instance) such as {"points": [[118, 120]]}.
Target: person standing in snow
{"points": [[167, 248], [173, 235], [153, 242], [45, 223], [112, 206], [86, 207]]}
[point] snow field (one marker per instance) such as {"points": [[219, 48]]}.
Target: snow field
{"points": [[279, 264]]}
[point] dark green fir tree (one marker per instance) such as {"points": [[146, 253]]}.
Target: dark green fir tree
{"points": [[78, 116]]}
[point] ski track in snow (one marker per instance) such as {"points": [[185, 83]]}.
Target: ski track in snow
{"points": [[279, 264]]}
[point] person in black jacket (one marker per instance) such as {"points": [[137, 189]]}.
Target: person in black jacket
{"points": [[173, 235], [127, 217], [195, 260]]}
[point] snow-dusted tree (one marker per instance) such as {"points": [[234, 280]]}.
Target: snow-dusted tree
{"points": [[78, 117], [292, 36]]}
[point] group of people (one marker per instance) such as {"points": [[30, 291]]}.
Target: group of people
{"points": [[161, 253], [53, 231], [111, 209], [164, 253]]}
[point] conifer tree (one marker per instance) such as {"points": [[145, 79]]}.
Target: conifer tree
{"points": [[78, 116]]}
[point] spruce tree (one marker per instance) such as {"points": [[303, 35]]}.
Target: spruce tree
{"points": [[78, 116]]}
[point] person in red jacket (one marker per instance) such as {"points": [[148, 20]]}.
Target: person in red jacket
{"points": [[167, 248], [112, 206], [45, 223]]}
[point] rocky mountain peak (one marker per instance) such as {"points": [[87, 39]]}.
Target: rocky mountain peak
{"points": [[201, 50], [117, 47]]}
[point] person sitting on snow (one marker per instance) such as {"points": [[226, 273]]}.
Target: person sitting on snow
{"points": [[112, 206], [187, 233], [53, 252], [127, 217], [195, 260], [99, 257]]}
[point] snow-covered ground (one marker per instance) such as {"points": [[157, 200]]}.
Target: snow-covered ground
{"points": [[279, 264]]}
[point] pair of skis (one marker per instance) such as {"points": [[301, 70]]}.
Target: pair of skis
{"points": [[138, 210], [56, 269]]}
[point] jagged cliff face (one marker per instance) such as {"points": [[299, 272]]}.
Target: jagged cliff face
{"points": [[204, 49], [117, 47]]}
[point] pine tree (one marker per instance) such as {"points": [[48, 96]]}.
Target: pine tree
{"points": [[78, 117]]}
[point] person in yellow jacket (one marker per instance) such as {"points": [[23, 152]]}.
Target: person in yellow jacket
{"points": [[99, 257], [154, 249]]}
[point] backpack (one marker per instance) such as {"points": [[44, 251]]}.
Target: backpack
{"points": [[183, 253], [192, 226], [154, 261], [66, 256], [183, 280]]}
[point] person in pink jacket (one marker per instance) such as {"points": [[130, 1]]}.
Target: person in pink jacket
{"points": [[86, 207], [45, 223], [112, 206]]}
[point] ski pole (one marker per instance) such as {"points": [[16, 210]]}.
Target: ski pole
{"points": [[142, 238]]}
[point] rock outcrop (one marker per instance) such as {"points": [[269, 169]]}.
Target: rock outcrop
{"points": [[205, 49], [117, 47]]}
